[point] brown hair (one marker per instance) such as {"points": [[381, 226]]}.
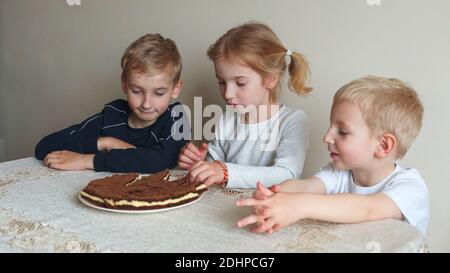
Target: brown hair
{"points": [[153, 54], [258, 47], [387, 105]]}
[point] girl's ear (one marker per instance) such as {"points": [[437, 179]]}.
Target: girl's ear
{"points": [[271, 81], [176, 89], [386, 145]]}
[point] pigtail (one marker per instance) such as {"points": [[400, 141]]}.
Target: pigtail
{"points": [[299, 74]]}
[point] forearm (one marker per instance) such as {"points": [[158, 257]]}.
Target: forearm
{"points": [[72, 139], [311, 185], [89, 161], [347, 208], [140, 159], [241, 176], [111, 143]]}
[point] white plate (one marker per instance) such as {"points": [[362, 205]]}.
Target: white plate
{"points": [[95, 206]]}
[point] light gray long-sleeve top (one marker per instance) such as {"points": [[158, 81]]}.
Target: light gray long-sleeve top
{"points": [[271, 151]]}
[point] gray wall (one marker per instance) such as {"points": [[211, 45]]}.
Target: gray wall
{"points": [[60, 63]]}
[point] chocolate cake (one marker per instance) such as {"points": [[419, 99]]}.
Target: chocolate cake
{"points": [[135, 192]]}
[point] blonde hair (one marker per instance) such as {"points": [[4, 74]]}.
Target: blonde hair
{"points": [[258, 47], [152, 54], [387, 106]]}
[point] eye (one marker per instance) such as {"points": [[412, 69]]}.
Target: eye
{"points": [[343, 132], [160, 94], [241, 84], [135, 91], [221, 83]]}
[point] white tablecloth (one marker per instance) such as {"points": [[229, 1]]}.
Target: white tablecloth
{"points": [[40, 212]]}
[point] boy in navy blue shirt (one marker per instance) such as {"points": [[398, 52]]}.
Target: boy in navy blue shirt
{"points": [[143, 134]]}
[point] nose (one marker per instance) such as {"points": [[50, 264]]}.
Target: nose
{"points": [[328, 138], [229, 93], [146, 102]]}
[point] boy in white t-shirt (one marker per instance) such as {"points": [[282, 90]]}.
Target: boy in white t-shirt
{"points": [[373, 122]]}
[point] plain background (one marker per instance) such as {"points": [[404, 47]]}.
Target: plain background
{"points": [[59, 64]]}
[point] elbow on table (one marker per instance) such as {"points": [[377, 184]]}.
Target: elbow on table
{"points": [[39, 152], [381, 207]]}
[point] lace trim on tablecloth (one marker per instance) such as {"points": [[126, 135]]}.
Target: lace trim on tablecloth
{"points": [[29, 173], [25, 235]]}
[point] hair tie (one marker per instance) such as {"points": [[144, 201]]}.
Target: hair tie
{"points": [[288, 52]]}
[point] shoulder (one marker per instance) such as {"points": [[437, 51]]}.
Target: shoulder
{"points": [[175, 112], [176, 109], [293, 123], [117, 106], [407, 177], [408, 190], [293, 117]]}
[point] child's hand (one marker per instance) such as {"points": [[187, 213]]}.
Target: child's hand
{"points": [[272, 213], [69, 161], [262, 193], [206, 172], [111, 143], [191, 154]]}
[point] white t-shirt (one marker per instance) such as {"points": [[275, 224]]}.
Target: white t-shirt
{"points": [[270, 151], [404, 186]]}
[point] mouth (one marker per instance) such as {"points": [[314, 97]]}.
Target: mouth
{"points": [[147, 112], [232, 104], [333, 154]]}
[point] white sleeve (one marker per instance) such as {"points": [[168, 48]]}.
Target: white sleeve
{"points": [[410, 194], [330, 178], [241, 176], [289, 157]]}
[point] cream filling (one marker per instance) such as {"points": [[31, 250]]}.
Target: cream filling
{"points": [[139, 204], [94, 198]]}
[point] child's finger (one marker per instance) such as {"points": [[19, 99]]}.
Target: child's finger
{"points": [[268, 224], [265, 212], [55, 166], [276, 228], [248, 202], [251, 219], [259, 195], [184, 166], [190, 154], [260, 186], [185, 159], [49, 159], [258, 210], [204, 174], [210, 181], [275, 188], [192, 148], [196, 169], [204, 147]]}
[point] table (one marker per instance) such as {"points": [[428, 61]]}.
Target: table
{"points": [[40, 212]]}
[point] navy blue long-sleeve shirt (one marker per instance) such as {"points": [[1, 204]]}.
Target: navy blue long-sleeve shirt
{"points": [[157, 146]]}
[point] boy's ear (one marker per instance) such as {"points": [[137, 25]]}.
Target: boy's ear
{"points": [[271, 81], [176, 89], [386, 145], [123, 85]]}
